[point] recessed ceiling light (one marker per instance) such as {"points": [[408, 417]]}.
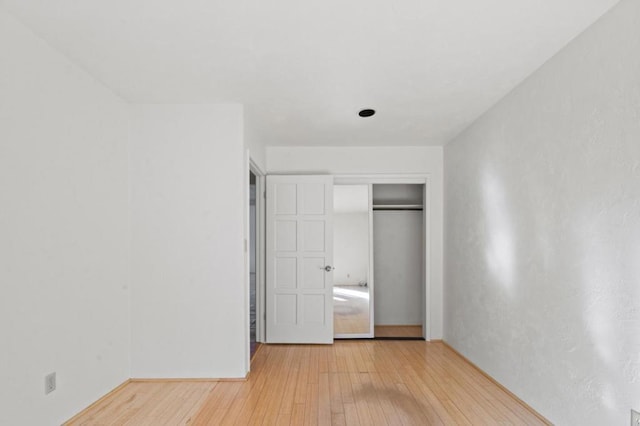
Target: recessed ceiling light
{"points": [[366, 112]]}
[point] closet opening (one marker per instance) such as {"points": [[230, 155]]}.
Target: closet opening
{"points": [[379, 280], [398, 260]]}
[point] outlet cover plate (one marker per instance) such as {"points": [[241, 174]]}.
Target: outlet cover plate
{"points": [[635, 418], [49, 383]]}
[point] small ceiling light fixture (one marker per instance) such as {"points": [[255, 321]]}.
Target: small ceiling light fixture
{"points": [[366, 112]]}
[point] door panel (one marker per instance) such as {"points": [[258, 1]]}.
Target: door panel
{"points": [[313, 198], [286, 235], [285, 198], [313, 235], [286, 272], [299, 247]]}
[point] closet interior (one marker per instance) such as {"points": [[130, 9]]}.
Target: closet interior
{"points": [[398, 259]]}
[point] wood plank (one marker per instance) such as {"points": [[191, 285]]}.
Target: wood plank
{"points": [[397, 331], [349, 383]]}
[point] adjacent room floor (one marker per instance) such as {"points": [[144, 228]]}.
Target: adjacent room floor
{"points": [[347, 383]]}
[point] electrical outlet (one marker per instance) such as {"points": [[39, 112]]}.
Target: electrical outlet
{"points": [[635, 418], [49, 383]]}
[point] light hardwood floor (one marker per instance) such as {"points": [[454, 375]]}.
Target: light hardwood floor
{"points": [[398, 331], [347, 383]]}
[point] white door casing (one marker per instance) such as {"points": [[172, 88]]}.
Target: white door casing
{"points": [[299, 296]]}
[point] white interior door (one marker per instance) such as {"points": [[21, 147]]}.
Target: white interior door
{"points": [[299, 296]]}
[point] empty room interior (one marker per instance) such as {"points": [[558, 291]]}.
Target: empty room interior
{"points": [[243, 212]]}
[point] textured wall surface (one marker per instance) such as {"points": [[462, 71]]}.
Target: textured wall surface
{"points": [[542, 208]]}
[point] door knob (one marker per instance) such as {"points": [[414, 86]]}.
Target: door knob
{"points": [[329, 268]]}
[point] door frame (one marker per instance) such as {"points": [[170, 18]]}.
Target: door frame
{"points": [[252, 166], [424, 179], [260, 249]]}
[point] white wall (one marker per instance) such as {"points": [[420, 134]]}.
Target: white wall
{"points": [[350, 248], [253, 141], [63, 233], [381, 161], [355, 160], [398, 261], [188, 294], [543, 231]]}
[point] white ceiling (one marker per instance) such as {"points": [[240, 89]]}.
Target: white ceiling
{"points": [[304, 68]]}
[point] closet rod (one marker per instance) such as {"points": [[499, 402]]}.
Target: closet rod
{"points": [[415, 207]]}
